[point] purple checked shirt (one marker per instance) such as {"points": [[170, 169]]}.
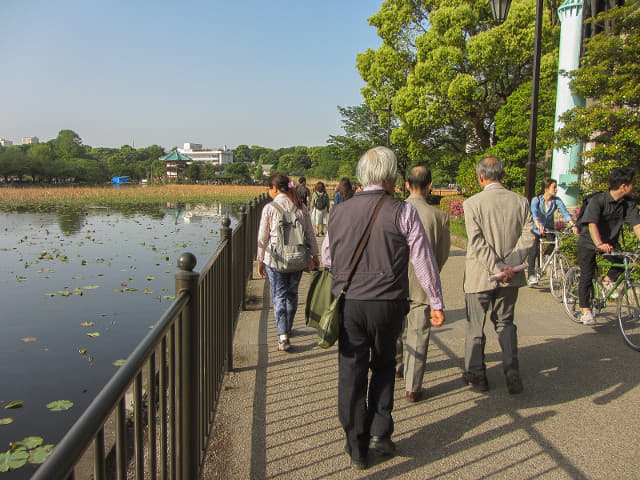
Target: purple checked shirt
{"points": [[420, 252]]}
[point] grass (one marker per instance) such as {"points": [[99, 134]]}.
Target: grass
{"points": [[45, 198]]}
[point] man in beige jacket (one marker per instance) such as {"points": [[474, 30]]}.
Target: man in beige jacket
{"points": [[499, 235], [412, 346]]}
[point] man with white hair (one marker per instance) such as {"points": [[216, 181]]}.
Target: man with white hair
{"points": [[376, 299]]}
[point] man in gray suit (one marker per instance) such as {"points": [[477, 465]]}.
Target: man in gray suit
{"points": [[499, 234], [412, 346]]}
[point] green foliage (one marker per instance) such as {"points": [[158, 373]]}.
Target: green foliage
{"points": [[447, 70], [609, 75]]}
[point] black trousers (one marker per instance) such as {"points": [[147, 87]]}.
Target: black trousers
{"points": [[588, 265], [367, 340]]}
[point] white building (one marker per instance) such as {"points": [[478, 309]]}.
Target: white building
{"points": [[29, 140], [5, 143], [198, 154]]}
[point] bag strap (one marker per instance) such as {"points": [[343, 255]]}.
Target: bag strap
{"points": [[363, 242], [281, 210]]}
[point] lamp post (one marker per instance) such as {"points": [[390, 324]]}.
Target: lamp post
{"points": [[500, 10]]}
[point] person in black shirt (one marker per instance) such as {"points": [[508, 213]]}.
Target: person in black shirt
{"points": [[599, 230], [303, 191]]}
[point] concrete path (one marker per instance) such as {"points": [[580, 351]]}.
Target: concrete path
{"points": [[578, 418]]}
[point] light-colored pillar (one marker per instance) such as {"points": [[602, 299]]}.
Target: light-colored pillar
{"points": [[565, 160]]}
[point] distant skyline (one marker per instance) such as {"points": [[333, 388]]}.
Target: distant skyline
{"points": [[133, 72]]}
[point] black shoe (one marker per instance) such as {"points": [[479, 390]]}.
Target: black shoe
{"points": [[382, 445], [514, 382], [400, 371], [359, 464], [478, 382], [355, 464]]}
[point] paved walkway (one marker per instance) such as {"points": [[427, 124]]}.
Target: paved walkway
{"points": [[578, 417]]}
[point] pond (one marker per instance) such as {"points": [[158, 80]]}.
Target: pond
{"points": [[78, 293]]}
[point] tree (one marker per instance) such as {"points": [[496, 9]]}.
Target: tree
{"points": [[239, 173], [609, 76], [68, 144], [446, 69], [259, 174]]}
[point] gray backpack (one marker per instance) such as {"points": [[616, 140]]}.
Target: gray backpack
{"points": [[290, 253]]}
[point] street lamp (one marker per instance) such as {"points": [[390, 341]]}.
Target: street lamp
{"points": [[500, 9]]}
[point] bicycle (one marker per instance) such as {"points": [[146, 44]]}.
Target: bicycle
{"points": [[628, 299], [555, 264]]}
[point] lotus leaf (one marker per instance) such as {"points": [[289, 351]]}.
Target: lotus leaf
{"points": [[28, 339], [119, 363], [27, 443], [40, 454], [87, 324], [14, 404], [6, 421], [12, 460], [59, 405], [93, 334]]}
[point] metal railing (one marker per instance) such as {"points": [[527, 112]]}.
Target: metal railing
{"points": [[173, 377]]}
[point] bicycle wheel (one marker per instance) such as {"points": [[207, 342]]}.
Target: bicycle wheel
{"points": [[570, 294], [629, 315], [557, 271]]}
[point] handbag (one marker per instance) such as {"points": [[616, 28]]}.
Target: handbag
{"points": [[319, 296], [324, 309]]}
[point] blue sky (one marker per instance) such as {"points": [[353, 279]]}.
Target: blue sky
{"points": [[216, 72]]}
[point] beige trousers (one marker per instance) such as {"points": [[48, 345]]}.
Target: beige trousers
{"points": [[412, 346]]}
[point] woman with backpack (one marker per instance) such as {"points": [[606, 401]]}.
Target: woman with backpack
{"points": [[284, 270], [543, 209], [319, 208]]}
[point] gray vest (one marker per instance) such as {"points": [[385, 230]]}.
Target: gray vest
{"points": [[381, 273]]}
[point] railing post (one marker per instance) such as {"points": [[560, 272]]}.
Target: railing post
{"points": [[245, 246], [225, 234], [187, 280]]}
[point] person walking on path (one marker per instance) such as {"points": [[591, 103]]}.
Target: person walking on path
{"points": [[302, 191], [284, 285], [344, 191], [600, 226], [411, 353], [376, 300], [543, 209], [319, 208], [499, 237]]}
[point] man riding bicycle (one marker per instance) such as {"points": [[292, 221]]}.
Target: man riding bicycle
{"points": [[600, 227]]}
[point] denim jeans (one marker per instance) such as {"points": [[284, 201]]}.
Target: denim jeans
{"points": [[284, 295]]}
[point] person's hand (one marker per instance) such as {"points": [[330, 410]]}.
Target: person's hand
{"points": [[508, 273], [542, 229], [437, 318], [575, 230], [604, 248], [261, 269]]}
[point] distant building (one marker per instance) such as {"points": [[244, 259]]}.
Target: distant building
{"points": [[5, 143], [266, 169], [29, 140], [174, 164], [198, 154]]}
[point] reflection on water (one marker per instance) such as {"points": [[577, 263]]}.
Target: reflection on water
{"points": [[67, 274]]}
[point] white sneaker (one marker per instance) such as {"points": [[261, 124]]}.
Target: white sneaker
{"points": [[533, 280], [587, 318]]}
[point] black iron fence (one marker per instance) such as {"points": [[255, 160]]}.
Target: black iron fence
{"points": [[153, 419]]}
